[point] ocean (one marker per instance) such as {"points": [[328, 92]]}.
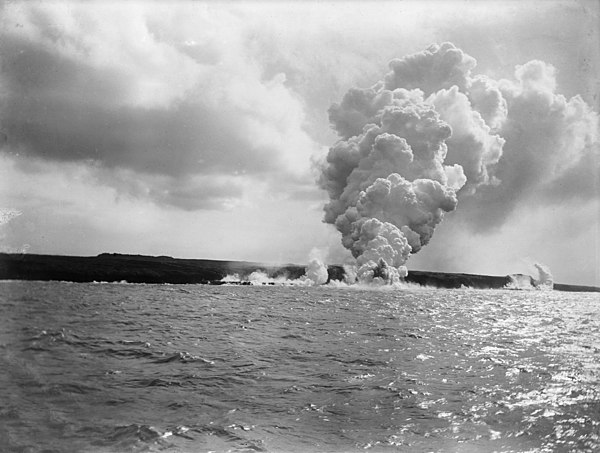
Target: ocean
{"points": [[193, 368]]}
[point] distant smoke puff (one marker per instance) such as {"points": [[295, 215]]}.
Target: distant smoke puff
{"points": [[316, 272], [545, 279], [258, 277], [350, 276], [231, 278]]}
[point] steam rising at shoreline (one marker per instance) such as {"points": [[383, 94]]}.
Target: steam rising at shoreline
{"points": [[315, 274], [545, 279], [430, 133], [316, 271]]}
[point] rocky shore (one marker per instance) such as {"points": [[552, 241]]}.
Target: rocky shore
{"points": [[110, 267]]}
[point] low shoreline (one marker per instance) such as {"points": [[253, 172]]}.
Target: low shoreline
{"points": [[112, 267]]}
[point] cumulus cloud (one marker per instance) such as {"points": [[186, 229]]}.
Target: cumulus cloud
{"points": [[472, 145], [551, 151], [440, 66]]}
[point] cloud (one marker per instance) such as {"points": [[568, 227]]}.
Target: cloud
{"points": [[472, 144], [503, 35], [551, 151], [65, 210], [437, 67], [403, 157], [123, 89], [564, 237]]}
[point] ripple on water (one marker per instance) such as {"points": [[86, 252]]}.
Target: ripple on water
{"points": [[200, 368]]}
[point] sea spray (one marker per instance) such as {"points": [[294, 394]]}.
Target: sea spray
{"points": [[315, 274], [316, 271], [545, 279]]}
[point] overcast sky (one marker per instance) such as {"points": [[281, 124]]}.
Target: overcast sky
{"points": [[197, 130]]}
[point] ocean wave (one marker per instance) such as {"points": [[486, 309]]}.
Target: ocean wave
{"points": [[183, 357]]}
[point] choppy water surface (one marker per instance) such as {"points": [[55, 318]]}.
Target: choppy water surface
{"points": [[105, 368]]}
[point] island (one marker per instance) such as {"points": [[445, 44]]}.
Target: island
{"points": [[114, 267]]}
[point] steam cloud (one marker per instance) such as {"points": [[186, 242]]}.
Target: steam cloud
{"points": [[431, 132], [315, 274], [316, 270]]}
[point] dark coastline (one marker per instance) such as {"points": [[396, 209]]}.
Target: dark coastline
{"points": [[164, 269]]}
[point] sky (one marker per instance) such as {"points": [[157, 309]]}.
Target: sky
{"points": [[203, 130]]}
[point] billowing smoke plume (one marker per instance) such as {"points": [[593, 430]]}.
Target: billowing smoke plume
{"points": [[431, 132], [387, 178]]}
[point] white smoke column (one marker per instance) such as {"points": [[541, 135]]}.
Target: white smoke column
{"points": [[387, 180], [316, 271], [545, 279]]}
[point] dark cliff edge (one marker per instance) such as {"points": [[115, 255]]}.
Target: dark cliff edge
{"points": [[111, 267]]}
